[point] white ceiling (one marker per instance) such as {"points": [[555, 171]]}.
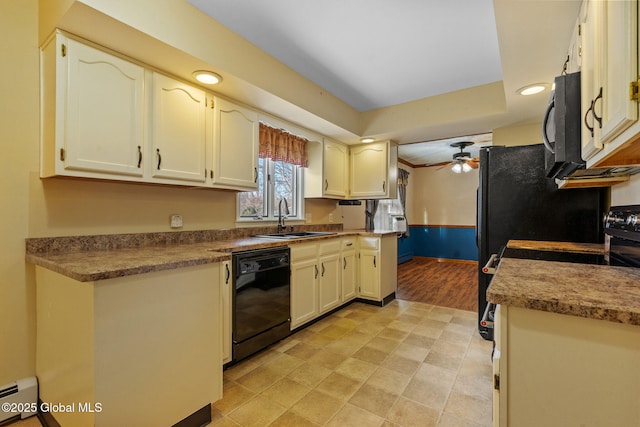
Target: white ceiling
{"points": [[381, 53]]}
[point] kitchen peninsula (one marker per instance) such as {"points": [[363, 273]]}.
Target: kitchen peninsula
{"points": [[141, 313], [567, 343]]}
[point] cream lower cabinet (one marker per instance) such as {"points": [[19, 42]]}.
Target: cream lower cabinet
{"points": [[322, 278], [225, 310], [92, 112], [329, 283], [349, 272], [559, 370], [377, 267], [118, 341], [304, 283]]}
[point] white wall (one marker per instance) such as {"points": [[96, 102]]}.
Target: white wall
{"points": [[442, 197]]}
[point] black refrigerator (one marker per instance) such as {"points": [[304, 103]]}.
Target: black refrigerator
{"points": [[517, 201]]}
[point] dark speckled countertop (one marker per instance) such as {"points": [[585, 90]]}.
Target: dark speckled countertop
{"points": [[582, 248], [592, 291], [91, 258]]}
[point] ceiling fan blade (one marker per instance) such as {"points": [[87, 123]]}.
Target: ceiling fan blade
{"points": [[473, 163]]}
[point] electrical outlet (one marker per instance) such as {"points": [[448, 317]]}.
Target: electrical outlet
{"points": [[307, 217], [176, 221], [330, 217]]}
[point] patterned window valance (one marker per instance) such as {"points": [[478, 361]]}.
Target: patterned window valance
{"points": [[277, 144]]}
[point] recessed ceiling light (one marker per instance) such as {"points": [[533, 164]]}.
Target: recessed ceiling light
{"points": [[532, 89], [368, 139], [207, 77]]}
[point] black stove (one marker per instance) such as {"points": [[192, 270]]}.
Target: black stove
{"points": [[622, 237], [622, 228]]}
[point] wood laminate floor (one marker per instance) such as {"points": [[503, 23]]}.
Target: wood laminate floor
{"points": [[451, 284]]}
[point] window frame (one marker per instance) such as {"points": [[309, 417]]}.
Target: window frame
{"points": [[271, 203]]}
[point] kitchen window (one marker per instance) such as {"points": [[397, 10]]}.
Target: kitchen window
{"points": [[277, 180]]}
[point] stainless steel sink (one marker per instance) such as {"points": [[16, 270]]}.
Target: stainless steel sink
{"points": [[295, 235]]}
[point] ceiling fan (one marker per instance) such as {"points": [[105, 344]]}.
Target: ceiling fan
{"points": [[462, 161]]}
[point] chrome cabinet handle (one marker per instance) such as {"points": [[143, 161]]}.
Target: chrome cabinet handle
{"points": [[228, 274], [159, 158], [139, 156]]}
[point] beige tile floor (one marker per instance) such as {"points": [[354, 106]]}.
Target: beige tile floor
{"points": [[405, 364]]}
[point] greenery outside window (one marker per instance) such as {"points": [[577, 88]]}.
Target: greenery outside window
{"points": [[277, 180]]}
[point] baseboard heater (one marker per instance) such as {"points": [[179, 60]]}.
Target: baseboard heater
{"points": [[20, 398]]}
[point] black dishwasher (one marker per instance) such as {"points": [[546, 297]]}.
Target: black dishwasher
{"points": [[261, 299]]}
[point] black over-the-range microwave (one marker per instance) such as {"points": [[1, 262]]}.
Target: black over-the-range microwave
{"points": [[561, 135]]}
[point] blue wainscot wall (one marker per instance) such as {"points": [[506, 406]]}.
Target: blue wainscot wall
{"points": [[439, 242]]}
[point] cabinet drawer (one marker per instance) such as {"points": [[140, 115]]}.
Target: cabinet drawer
{"points": [[304, 251], [369, 243], [329, 246], [348, 244]]}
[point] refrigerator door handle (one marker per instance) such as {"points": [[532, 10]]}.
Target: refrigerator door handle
{"points": [[489, 267]]}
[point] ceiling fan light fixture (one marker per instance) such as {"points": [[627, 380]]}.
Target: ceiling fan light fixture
{"points": [[465, 167], [532, 89], [457, 168], [207, 77]]}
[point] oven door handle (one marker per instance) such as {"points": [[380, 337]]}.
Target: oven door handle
{"points": [[488, 267]]}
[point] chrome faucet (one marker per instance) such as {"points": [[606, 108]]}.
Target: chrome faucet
{"points": [[280, 216]]}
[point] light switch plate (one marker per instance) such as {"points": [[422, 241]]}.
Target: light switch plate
{"points": [[176, 221]]}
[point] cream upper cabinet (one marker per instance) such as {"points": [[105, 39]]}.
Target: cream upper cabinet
{"points": [[92, 112], [327, 174], [178, 130], [336, 167], [373, 170], [609, 70], [235, 146]]}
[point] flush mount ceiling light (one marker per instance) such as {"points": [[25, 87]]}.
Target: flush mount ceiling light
{"points": [[207, 77], [532, 89], [368, 139]]}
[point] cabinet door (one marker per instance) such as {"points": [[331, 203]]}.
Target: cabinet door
{"points": [[590, 28], [178, 130], [368, 170], [304, 291], [235, 152], [329, 284], [348, 275], [104, 111], [336, 165], [369, 280], [619, 63], [225, 309]]}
